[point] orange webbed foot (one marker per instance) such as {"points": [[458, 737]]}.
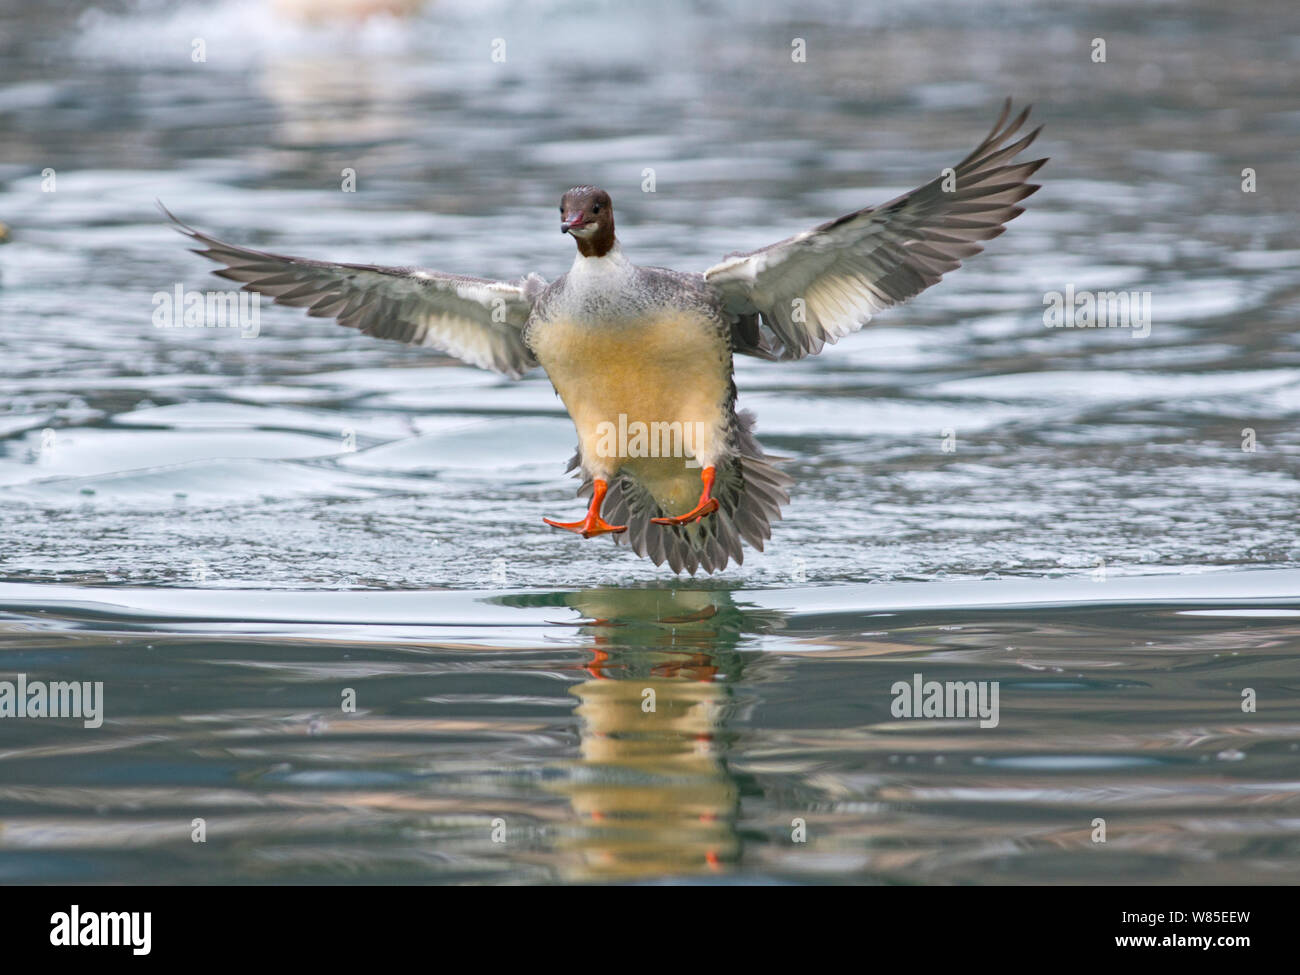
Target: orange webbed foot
{"points": [[593, 524], [692, 516], [707, 506], [588, 528]]}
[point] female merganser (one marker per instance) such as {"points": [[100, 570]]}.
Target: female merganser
{"points": [[642, 356]]}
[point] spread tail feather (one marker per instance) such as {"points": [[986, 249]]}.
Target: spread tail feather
{"points": [[750, 490]]}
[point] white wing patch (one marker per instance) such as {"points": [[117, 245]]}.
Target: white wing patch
{"points": [[820, 285], [477, 320]]}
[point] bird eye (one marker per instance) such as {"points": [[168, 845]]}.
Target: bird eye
{"points": [[596, 208]]}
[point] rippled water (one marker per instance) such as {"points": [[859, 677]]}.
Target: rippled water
{"points": [[229, 532]]}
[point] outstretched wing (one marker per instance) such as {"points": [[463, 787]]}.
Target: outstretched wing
{"points": [[846, 270], [474, 319]]}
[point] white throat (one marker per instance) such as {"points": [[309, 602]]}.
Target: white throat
{"points": [[597, 289], [612, 263]]}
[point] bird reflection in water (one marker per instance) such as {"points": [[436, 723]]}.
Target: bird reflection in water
{"points": [[650, 788]]}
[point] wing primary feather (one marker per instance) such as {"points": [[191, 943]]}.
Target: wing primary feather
{"points": [[852, 266], [456, 314]]}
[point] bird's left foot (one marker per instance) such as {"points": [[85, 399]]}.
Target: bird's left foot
{"points": [[707, 506], [692, 516]]}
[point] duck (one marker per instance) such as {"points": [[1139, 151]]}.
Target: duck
{"points": [[643, 357], [315, 12]]}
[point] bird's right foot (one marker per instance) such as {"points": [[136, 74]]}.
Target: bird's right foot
{"points": [[593, 524]]}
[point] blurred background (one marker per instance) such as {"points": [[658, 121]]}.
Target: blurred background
{"points": [[137, 461]]}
